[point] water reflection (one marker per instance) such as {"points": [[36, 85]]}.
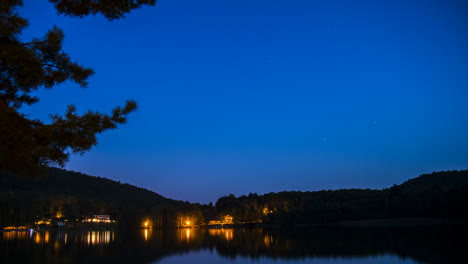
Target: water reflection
{"points": [[99, 237], [444, 245], [14, 235], [147, 233], [268, 240], [186, 234], [227, 234], [41, 237], [61, 237]]}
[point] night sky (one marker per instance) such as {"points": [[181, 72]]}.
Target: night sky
{"points": [[265, 96]]}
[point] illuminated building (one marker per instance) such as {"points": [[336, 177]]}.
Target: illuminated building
{"points": [[98, 219]]}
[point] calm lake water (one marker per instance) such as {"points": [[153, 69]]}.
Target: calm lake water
{"points": [[321, 245]]}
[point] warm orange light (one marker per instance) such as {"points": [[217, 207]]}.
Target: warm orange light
{"points": [[227, 234], [268, 240], [46, 237], [147, 224], [187, 222], [99, 237], [227, 219], [38, 238], [11, 235], [16, 227]]}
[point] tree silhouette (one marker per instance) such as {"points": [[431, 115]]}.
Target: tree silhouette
{"points": [[25, 144]]}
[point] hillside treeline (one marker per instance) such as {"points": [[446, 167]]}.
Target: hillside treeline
{"points": [[74, 195], [436, 195]]}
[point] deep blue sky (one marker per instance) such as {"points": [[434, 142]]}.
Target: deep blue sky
{"points": [[260, 96]]}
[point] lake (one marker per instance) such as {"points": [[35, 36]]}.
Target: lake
{"points": [[261, 246]]}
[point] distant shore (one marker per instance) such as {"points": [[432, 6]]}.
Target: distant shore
{"points": [[368, 223]]}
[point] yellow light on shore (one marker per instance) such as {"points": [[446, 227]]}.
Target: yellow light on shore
{"points": [[147, 223], [187, 223]]}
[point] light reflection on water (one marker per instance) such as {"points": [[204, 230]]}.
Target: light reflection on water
{"points": [[198, 245], [186, 235], [14, 235], [147, 234], [227, 234], [99, 237], [61, 237]]}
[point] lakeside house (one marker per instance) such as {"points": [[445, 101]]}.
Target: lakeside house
{"points": [[51, 222], [98, 219], [227, 220]]}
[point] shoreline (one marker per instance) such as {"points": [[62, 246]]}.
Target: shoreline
{"points": [[365, 223]]}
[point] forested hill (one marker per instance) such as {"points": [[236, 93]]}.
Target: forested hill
{"points": [[437, 195], [442, 181], [75, 195], [64, 182]]}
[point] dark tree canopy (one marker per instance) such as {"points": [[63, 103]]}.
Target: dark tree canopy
{"points": [[111, 9], [41, 63]]}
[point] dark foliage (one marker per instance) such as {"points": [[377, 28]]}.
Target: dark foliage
{"points": [[24, 200], [436, 195], [441, 195], [111, 9], [41, 63]]}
